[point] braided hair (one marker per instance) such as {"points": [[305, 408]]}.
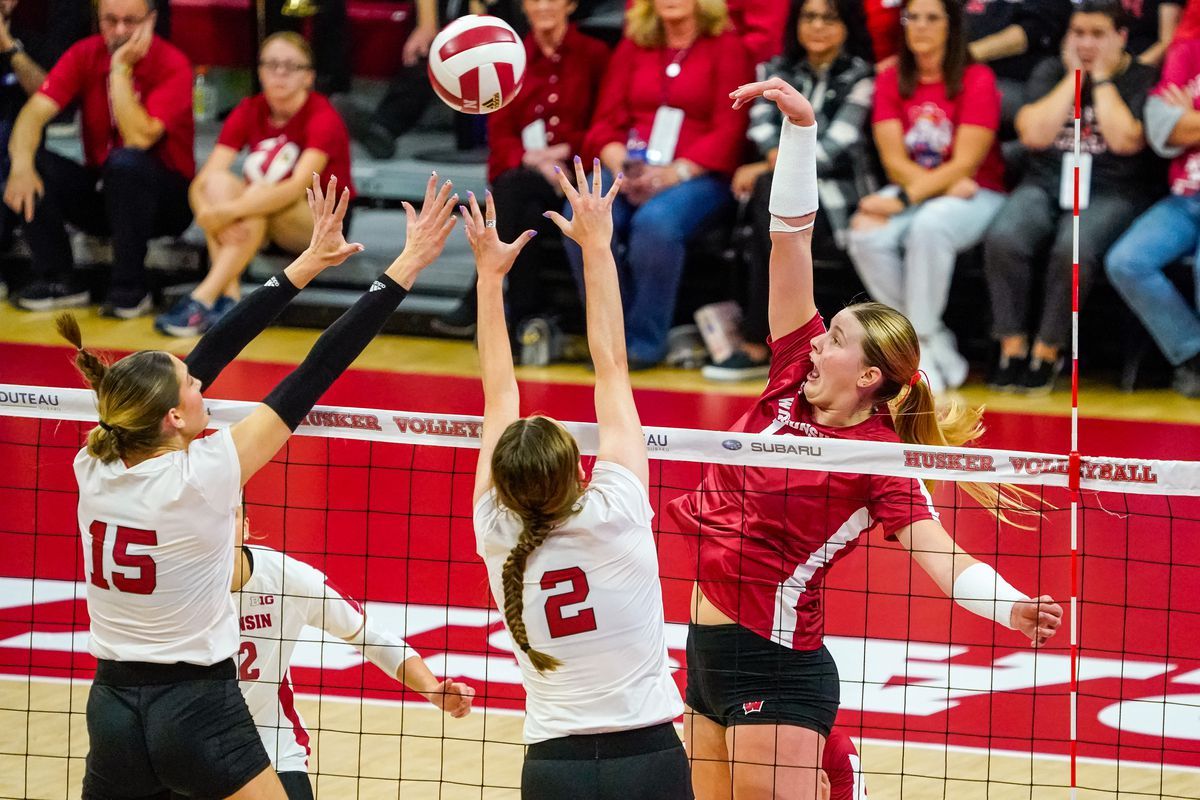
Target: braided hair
{"points": [[133, 395], [535, 469]]}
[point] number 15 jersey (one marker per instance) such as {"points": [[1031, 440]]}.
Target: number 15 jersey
{"points": [[593, 601]]}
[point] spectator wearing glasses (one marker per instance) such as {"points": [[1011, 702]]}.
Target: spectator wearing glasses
{"points": [[828, 58], [291, 132], [935, 122], [1119, 178], [1170, 230], [135, 93]]}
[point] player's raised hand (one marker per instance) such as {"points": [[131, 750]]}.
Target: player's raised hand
{"points": [[427, 231], [453, 697], [328, 245], [1038, 618], [791, 103], [591, 210], [492, 256]]}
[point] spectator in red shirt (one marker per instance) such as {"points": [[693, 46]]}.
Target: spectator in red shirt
{"points": [[665, 120], [135, 93], [291, 132], [935, 122], [540, 129]]}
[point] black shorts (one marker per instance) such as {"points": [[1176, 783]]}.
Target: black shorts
{"points": [[736, 677], [296, 785], [160, 728], [642, 764]]}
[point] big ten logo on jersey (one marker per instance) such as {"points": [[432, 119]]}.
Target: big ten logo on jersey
{"points": [[272, 160], [262, 600]]}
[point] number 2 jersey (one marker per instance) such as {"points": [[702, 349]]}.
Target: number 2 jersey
{"points": [[767, 537], [282, 597], [158, 553], [593, 601]]}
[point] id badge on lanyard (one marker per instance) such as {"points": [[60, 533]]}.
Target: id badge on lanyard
{"points": [[668, 120]]}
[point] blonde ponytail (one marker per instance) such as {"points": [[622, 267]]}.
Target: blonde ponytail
{"points": [[132, 395], [891, 345]]}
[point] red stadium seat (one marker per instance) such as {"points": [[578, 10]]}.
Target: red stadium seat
{"points": [[222, 33]]}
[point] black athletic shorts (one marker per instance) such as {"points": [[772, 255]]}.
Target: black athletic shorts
{"points": [[296, 785], [736, 677], [154, 729], [642, 764]]}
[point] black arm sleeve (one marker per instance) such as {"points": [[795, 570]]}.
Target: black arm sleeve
{"points": [[337, 348], [223, 341]]}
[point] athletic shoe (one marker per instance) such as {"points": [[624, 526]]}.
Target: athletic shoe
{"points": [[188, 317], [738, 367], [948, 361], [1187, 378], [1006, 376], [50, 296], [220, 309], [1039, 378], [459, 323], [540, 340], [117, 308]]}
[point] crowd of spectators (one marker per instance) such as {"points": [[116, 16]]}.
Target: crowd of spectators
{"points": [[945, 127]]}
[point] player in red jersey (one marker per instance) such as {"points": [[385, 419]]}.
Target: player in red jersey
{"points": [[763, 691]]}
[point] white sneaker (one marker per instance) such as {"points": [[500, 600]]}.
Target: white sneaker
{"points": [[949, 361]]}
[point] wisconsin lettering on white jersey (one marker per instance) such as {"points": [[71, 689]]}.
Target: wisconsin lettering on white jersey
{"points": [[282, 597], [593, 600], [158, 553]]}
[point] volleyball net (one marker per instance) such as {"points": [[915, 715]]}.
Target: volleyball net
{"points": [[941, 703]]}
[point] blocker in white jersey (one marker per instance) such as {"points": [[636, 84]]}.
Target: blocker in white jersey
{"points": [[282, 602], [594, 602], [157, 539], [156, 512], [573, 564]]}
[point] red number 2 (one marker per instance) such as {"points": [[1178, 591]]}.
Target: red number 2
{"points": [[247, 671], [147, 575], [581, 621]]}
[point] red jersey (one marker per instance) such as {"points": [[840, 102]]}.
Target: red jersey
{"points": [[162, 82], [275, 149], [931, 119], [713, 133], [840, 762], [768, 536], [1181, 67], [883, 23], [560, 89]]}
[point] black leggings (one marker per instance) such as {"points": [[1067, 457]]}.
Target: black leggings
{"points": [[643, 764]]}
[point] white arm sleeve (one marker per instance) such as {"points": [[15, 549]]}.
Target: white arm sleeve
{"points": [[980, 590], [794, 187], [382, 648]]}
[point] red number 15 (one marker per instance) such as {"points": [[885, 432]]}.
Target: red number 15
{"points": [[147, 571]]}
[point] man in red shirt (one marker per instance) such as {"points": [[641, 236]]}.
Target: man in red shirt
{"points": [[135, 95]]}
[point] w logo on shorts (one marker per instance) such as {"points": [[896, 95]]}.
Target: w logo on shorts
{"points": [[752, 707]]}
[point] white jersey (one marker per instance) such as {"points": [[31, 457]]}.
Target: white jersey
{"points": [[281, 598], [593, 601], [158, 553]]}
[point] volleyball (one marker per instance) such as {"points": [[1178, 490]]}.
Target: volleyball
{"points": [[477, 64]]}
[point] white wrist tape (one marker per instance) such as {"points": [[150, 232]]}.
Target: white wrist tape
{"points": [[980, 590], [385, 650], [794, 187]]}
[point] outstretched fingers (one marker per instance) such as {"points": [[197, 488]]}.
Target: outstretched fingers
{"points": [[615, 189]]}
